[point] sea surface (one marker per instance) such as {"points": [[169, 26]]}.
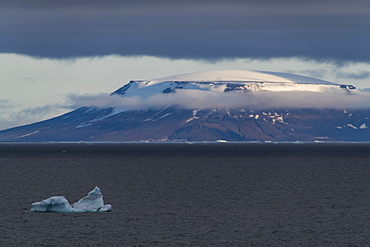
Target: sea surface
{"points": [[219, 194]]}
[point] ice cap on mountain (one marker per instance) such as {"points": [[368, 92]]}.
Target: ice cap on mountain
{"points": [[221, 81], [242, 75]]}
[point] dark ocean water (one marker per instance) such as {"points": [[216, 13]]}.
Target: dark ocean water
{"points": [[189, 195]]}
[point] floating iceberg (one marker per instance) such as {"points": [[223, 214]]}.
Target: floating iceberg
{"points": [[93, 202]]}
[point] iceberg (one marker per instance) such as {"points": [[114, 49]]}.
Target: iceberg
{"points": [[93, 202]]}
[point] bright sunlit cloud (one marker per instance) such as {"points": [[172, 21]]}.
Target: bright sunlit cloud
{"points": [[197, 99]]}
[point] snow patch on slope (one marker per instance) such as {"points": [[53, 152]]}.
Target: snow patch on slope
{"points": [[32, 133]]}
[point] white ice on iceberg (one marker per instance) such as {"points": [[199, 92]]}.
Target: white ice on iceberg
{"points": [[93, 202]]}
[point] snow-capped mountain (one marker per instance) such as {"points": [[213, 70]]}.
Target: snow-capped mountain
{"points": [[229, 80], [230, 105]]}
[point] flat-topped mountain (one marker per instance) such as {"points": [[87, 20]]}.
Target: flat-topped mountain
{"points": [[229, 105]]}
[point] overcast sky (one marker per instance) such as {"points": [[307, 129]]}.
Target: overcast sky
{"points": [[49, 49], [319, 29]]}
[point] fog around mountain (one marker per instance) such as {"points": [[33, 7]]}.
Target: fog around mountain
{"points": [[204, 90]]}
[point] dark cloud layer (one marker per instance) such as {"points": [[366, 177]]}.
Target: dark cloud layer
{"points": [[337, 30]]}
